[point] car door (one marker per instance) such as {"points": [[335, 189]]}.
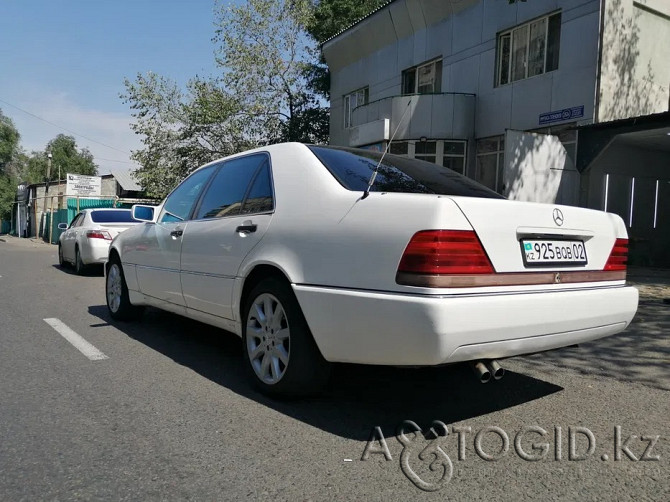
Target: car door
{"points": [[157, 262], [231, 218], [70, 237]]}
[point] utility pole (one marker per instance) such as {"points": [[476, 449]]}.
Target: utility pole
{"points": [[46, 190], [49, 156]]}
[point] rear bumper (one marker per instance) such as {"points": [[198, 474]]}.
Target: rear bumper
{"points": [[94, 251], [395, 329]]}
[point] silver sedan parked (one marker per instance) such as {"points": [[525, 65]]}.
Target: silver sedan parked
{"points": [[86, 240]]}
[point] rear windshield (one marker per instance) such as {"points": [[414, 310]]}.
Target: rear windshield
{"points": [[116, 216], [353, 167]]}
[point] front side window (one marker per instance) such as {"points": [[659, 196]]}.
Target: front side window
{"points": [[179, 203], [226, 193], [423, 79], [529, 49], [352, 100]]}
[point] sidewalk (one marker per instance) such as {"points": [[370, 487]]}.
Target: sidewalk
{"points": [[27, 242], [653, 283]]}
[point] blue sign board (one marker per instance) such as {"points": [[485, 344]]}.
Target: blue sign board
{"points": [[560, 115]]}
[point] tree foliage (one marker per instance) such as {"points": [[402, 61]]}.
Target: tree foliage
{"points": [[65, 155], [9, 162], [265, 56], [181, 130], [9, 141], [262, 95], [330, 17], [16, 166]]}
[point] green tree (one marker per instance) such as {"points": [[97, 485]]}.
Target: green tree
{"points": [[65, 155], [9, 141], [265, 54], [182, 130], [262, 95], [330, 17], [8, 185], [9, 159]]}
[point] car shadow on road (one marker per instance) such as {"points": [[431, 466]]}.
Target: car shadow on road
{"points": [[357, 398], [640, 353], [91, 270]]}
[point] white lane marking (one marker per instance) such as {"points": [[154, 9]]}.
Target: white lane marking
{"points": [[71, 336]]}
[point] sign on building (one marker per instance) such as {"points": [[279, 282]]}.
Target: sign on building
{"points": [[560, 115], [81, 185]]}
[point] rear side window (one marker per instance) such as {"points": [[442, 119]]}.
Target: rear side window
{"points": [[353, 168], [226, 193], [260, 199], [77, 220], [118, 216]]}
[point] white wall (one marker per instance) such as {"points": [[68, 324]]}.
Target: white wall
{"points": [[538, 169], [635, 70], [409, 32]]}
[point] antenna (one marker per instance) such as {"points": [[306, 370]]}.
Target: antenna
{"points": [[374, 173]]}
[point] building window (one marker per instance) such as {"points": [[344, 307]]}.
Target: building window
{"points": [[423, 79], [453, 156], [490, 161], [446, 153], [425, 150], [351, 101], [529, 49]]}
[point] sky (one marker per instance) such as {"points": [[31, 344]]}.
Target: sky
{"points": [[63, 63]]}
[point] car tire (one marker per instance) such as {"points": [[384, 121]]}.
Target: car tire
{"points": [[116, 294], [279, 351], [61, 261], [79, 266]]}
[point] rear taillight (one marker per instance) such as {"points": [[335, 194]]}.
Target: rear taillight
{"points": [[618, 256], [98, 234], [445, 252]]}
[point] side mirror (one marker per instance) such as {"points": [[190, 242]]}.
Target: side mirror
{"points": [[62, 226], [143, 213]]}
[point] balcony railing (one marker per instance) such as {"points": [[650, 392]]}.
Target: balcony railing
{"points": [[446, 115]]}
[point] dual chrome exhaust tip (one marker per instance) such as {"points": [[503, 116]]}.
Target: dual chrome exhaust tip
{"points": [[487, 370]]}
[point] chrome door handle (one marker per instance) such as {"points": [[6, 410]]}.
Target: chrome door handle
{"points": [[246, 229], [176, 233]]}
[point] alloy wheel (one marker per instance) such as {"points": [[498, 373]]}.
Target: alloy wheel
{"points": [[114, 287], [268, 338]]}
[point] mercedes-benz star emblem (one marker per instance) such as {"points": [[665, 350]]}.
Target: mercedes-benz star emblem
{"points": [[558, 217]]}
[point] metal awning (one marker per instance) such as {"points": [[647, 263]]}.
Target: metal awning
{"points": [[651, 132]]}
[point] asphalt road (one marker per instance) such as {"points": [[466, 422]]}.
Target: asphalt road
{"points": [[169, 414]]}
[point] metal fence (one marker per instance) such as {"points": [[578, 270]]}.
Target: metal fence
{"points": [[59, 209]]}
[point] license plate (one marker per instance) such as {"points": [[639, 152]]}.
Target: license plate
{"points": [[553, 252]]}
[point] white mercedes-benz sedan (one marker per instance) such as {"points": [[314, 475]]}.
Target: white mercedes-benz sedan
{"points": [[316, 254], [86, 240]]}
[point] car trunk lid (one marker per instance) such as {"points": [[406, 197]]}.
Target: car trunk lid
{"points": [[506, 229]]}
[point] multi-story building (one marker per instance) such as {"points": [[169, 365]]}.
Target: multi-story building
{"points": [[561, 101]]}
